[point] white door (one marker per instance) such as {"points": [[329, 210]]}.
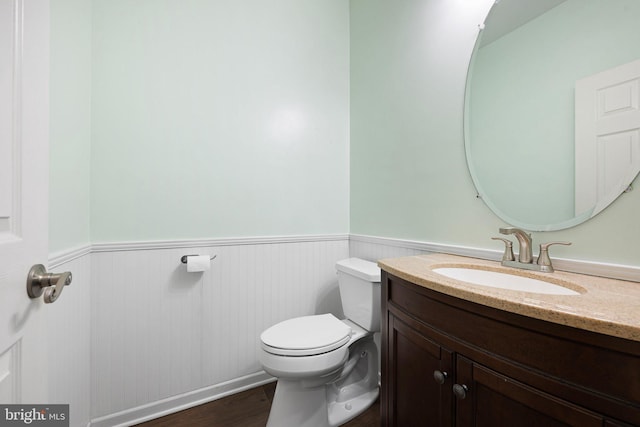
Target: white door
{"points": [[24, 133], [607, 135]]}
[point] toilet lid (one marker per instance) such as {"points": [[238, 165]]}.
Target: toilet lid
{"points": [[308, 335]]}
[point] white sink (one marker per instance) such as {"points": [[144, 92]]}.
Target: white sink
{"points": [[496, 279]]}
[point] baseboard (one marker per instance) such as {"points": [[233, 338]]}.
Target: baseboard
{"points": [[181, 402]]}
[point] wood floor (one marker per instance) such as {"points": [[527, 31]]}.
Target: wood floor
{"points": [[247, 409]]}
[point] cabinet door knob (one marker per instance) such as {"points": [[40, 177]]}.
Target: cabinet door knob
{"points": [[439, 376], [460, 390]]}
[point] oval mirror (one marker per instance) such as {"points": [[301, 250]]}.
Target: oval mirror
{"points": [[552, 110]]}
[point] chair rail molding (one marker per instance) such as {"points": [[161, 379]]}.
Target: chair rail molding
{"points": [[359, 243], [593, 268]]}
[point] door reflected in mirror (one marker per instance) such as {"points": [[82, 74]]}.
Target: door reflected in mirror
{"points": [[525, 120]]}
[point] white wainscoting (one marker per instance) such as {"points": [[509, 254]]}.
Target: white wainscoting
{"points": [[137, 337], [159, 334], [68, 323]]}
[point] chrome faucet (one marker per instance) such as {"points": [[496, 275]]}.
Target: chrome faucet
{"points": [[525, 256]]}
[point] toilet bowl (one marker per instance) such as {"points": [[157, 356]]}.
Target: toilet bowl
{"points": [[327, 368]]}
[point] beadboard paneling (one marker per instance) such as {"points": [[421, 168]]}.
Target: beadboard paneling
{"points": [[143, 337], [160, 332], [68, 334]]}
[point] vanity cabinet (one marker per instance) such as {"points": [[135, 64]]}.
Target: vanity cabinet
{"points": [[450, 362]]}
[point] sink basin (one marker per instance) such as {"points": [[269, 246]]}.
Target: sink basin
{"points": [[496, 279]]}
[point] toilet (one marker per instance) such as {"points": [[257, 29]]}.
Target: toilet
{"points": [[327, 368]]}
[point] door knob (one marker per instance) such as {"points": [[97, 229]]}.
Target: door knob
{"points": [[52, 284]]}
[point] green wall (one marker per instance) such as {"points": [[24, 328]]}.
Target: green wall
{"points": [[236, 119], [219, 119], [408, 68], [409, 176], [70, 124]]}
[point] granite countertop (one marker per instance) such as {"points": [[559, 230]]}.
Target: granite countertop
{"points": [[607, 306]]}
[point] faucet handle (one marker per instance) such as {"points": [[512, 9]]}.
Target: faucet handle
{"points": [[508, 249], [543, 256]]}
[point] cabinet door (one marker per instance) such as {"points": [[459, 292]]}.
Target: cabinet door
{"points": [[416, 396], [485, 398]]}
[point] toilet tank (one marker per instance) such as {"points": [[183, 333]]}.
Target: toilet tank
{"points": [[359, 282]]}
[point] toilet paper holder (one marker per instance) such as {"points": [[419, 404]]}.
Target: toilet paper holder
{"points": [[183, 259]]}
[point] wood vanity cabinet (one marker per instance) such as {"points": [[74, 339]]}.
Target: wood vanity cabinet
{"points": [[450, 362]]}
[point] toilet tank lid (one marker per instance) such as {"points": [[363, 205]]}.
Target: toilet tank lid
{"points": [[361, 268]]}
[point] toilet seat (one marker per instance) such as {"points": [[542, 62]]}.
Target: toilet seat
{"points": [[306, 336]]}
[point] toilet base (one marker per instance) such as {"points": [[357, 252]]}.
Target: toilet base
{"points": [[354, 389], [342, 412], [294, 405]]}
